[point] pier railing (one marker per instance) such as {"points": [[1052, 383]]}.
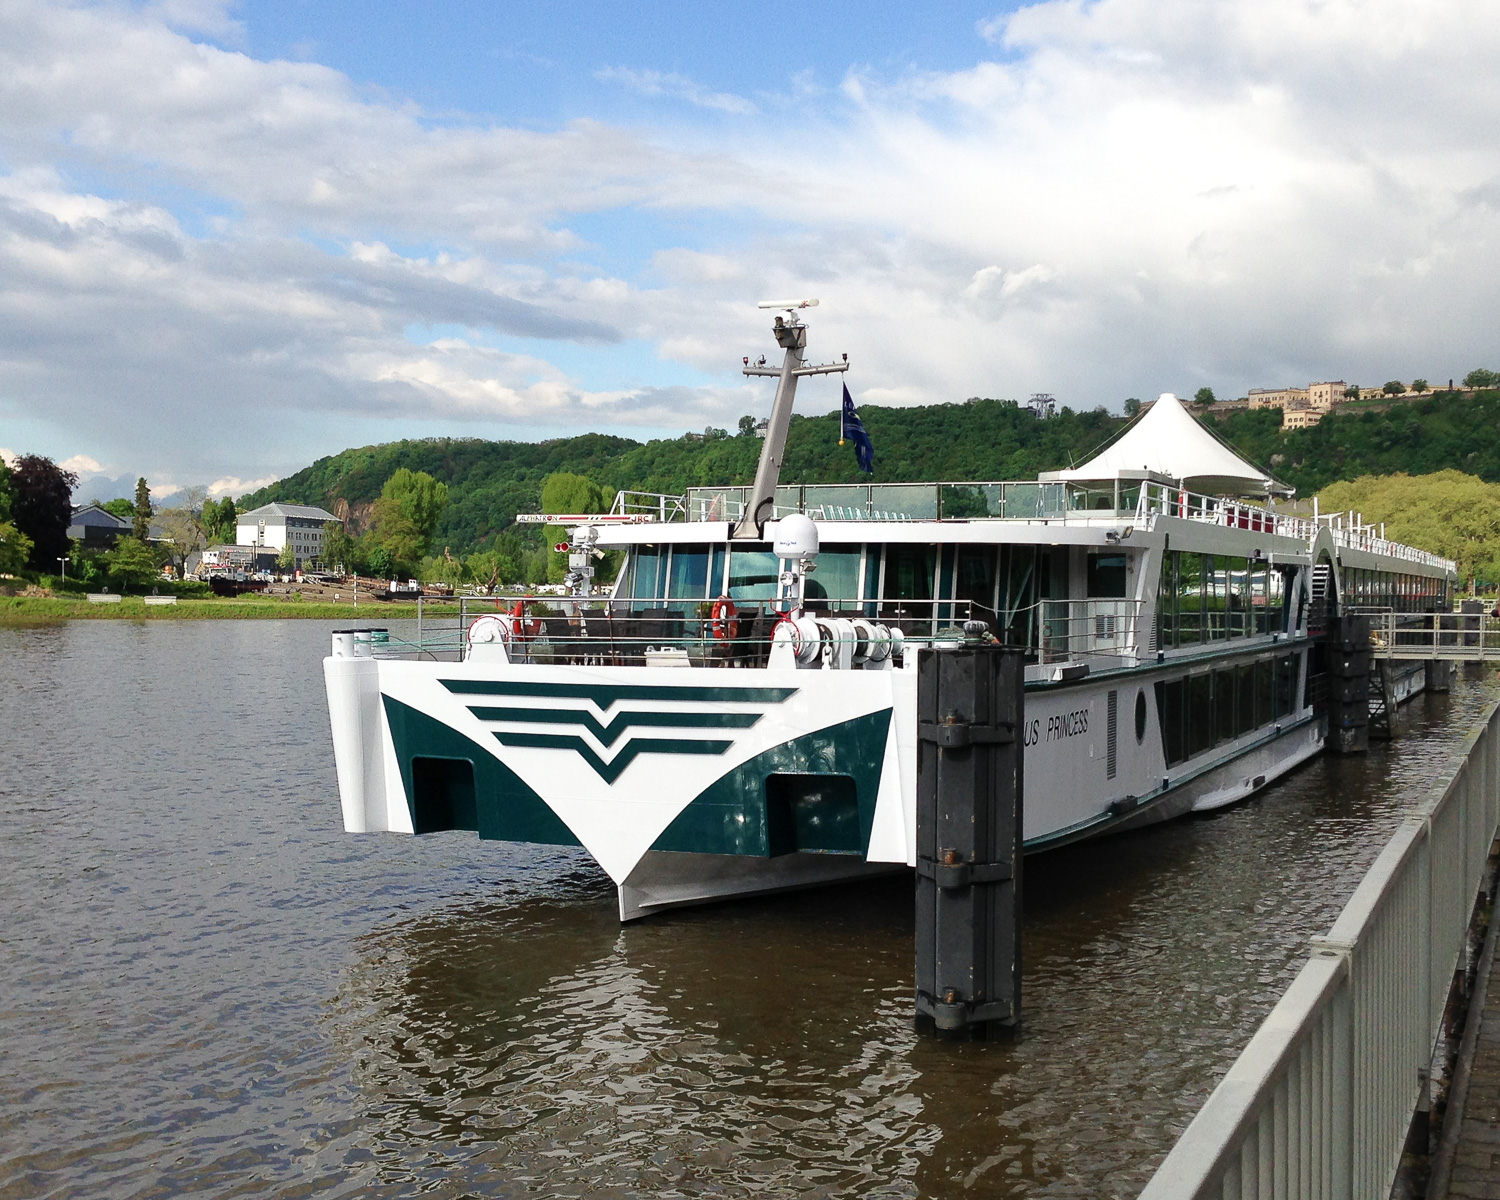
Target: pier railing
{"points": [[1320, 1102]]}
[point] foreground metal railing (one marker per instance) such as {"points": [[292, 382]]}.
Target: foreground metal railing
{"points": [[1320, 1102]]}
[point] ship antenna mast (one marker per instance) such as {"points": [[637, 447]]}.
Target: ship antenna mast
{"points": [[791, 336]]}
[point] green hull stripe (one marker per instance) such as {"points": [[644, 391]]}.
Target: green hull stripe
{"points": [[604, 695], [744, 813], [607, 734], [497, 805], [610, 771]]}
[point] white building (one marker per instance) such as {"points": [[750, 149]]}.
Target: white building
{"points": [[271, 527]]}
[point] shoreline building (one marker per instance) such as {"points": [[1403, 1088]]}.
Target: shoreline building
{"points": [[271, 527], [1300, 407]]}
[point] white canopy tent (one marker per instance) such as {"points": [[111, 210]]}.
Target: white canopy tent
{"points": [[1169, 442]]}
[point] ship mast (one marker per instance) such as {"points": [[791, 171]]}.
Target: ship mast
{"points": [[791, 335]]}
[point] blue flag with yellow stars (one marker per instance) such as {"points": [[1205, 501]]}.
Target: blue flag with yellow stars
{"points": [[854, 429]]}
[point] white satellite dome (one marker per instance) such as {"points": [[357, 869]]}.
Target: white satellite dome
{"points": [[796, 537]]}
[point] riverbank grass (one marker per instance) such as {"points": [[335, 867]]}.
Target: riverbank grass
{"points": [[45, 610]]}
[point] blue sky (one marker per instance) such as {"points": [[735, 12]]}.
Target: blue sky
{"points": [[235, 237]]}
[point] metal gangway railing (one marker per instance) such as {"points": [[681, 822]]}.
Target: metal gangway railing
{"points": [[1454, 637], [1320, 1102]]}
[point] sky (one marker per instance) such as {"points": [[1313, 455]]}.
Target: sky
{"points": [[237, 237]]}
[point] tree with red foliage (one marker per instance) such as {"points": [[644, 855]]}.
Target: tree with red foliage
{"points": [[42, 507]]}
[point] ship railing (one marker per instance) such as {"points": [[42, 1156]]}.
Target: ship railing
{"points": [[1089, 630], [634, 632], [1461, 637], [657, 505], [1320, 1102]]}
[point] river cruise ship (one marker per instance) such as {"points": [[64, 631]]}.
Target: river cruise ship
{"points": [[738, 715]]}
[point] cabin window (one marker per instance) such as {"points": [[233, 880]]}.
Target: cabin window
{"points": [[1245, 716], [1238, 598], [1285, 686], [909, 570], [1166, 602], [688, 574], [1018, 593], [1199, 715], [1106, 576], [974, 578], [836, 577], [1189, 599], [753, 574], [1170, 712], [1223, 702], [645, 573]]}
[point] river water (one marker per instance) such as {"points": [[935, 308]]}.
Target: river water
{"points": [[208, 989]]}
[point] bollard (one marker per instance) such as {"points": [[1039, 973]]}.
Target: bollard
{"points": [[1349, 662], [968, 893]]}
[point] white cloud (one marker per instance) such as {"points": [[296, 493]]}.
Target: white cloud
{"points": [[675, 87], [1135, 195], [233, 485], [81, 464], [8, 457]]}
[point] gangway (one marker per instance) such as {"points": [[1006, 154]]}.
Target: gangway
{"points": [[1445, 636]]}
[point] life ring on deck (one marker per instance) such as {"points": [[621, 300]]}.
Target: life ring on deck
{"points": [[724, 620], [523, 627]]}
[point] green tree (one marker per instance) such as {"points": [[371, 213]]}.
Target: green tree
{"points": [[1204, 395], [1419, 385], [339, 549], [382, 565], [443, 568], [140, 528], [15, 546], [491, 568], [15, 549], [1481, 378], [1132, 407], [406, 515], [132, 563], [747, 426], [218, 519], [42, 508], [286, 558], [1351, 392], [182, 525], [566, 493], [1394, 388], [120, 507], [1447, 512]]}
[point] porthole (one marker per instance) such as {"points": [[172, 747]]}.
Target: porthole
{"points": [[1140, 716]]}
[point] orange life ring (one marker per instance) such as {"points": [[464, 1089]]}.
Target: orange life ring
{"points": [[522, 627], [725, 619]]}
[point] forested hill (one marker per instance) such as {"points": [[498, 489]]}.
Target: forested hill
{"points": [[980, 440], [1456, 430], [489, 482]]}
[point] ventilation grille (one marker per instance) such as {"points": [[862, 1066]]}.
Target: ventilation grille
{"points": [[1111, 728]]}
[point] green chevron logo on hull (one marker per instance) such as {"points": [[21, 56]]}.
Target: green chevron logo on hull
{"points": [[604, 697]]}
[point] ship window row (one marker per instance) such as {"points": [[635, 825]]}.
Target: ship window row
{"points": [[912, 583], [1204, 710], [1213, 597], [1363, 588]]}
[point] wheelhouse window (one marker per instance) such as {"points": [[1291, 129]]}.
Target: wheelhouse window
{"points": [[687, 575], [753, 574], [836, 578], [1106, 576]]}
